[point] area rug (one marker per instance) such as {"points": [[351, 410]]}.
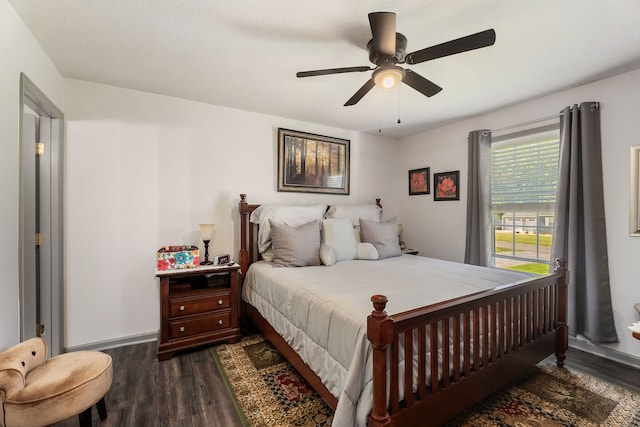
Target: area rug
{"points": [[268, 391]]}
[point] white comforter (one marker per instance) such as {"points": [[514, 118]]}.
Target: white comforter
{"points": [[322, 312]]}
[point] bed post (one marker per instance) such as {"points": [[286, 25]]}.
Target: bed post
{"points": [[562, 343], [244, 257], [380, 334]]}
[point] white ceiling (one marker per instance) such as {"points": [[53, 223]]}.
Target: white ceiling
{"points": [[245, 53]]}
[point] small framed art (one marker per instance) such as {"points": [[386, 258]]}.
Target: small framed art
{"points": [[446, 186], [419, 181], [221, 259]]}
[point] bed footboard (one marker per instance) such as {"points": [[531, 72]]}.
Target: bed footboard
{"points": [[465, 349]]}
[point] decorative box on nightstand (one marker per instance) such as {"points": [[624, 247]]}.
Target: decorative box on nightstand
{"points": [[198, 306]]}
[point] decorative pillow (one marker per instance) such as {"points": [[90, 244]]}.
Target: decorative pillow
{"points": [[338, 234], [328, 255], [355, 212], [267, 255], [295, 246], [291, 215], [383, 236], [367, 251]]}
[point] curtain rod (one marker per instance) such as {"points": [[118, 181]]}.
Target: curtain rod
{"points": [[592, 107], [529, 122]]}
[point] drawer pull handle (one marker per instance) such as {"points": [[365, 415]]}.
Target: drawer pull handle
{"points": [[220, 302], [181, 328], [181, 308], [220, 322]]}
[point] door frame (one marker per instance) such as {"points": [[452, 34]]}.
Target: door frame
{"points": [[37, 101]]}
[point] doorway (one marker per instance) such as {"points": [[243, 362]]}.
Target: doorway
{"points": [[41, 248]]}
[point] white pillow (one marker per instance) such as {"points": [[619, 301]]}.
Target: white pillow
{"points": [[338, 233], [382, 235], [290, 215], [367, 251], [355, 212], [328, 255], [267, 255]]}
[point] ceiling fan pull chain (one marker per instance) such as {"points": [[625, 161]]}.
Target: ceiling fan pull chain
{"points": [[398, 98]]}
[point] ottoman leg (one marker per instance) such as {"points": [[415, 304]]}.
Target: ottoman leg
{"points": [[102, 408], [85, 417]]}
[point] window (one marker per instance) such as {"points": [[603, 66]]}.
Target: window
{"points": [[524, 175]]}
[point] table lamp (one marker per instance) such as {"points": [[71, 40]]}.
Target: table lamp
{"points": [[206, 230]]}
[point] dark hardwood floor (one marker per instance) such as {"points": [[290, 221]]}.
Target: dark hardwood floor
{"points": [[185, 391], [188, 390], [605, 369]]}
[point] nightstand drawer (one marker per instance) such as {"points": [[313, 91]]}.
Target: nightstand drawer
{"points": [[185, 306], [200, 324]]}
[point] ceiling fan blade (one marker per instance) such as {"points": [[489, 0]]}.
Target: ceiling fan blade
{"points": [[383, 29], [419, 83], [463, 44], [332, 71], [360, 93]]}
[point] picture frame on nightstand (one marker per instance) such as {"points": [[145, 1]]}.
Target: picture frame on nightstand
{"points": [[221, 259]]}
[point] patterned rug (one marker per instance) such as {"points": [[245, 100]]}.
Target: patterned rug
{"points": [[269, 392]]}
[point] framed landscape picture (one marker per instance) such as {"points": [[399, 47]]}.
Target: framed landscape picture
{"points": [[446, 186], [312, 163], [419, 181]]}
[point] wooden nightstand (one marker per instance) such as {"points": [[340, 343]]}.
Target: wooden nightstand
{"points": [[198, 306]]}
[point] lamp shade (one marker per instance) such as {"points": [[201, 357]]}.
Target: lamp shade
{"points": [[388, 77], [206, 230]]}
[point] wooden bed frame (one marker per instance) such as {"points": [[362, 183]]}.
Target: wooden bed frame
{"points": [[514, 328]]}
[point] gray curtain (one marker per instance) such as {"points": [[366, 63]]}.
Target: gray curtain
{"points": [[579, 233], [478, 245]]}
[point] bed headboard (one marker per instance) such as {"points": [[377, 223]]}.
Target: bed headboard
{"points": [[249, 235]]}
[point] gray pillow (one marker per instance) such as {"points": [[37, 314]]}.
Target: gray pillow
{"points": [[295, 246], [382, 235]]}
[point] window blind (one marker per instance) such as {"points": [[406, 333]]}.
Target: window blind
{"points": [[524, 175]]}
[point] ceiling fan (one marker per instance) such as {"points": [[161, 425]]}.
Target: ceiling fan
{"points": [[387, 49]]}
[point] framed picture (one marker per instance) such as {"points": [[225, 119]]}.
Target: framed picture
{"points": [[419, 181], [221, 259], [446, 186], [311, 163]]}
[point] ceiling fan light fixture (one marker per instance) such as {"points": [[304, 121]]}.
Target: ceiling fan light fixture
{"points": [[388, 77], [387, 48]]}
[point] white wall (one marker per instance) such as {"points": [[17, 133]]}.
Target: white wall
{"points": [[20, 53], [143, 170], [437, 229]]}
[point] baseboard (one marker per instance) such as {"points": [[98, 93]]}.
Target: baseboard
{"points": [[585, 345], [119, 342]]}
